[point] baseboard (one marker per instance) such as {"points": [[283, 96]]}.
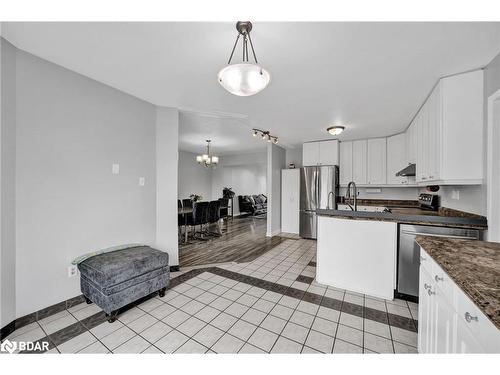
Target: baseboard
{"points": [[7, 330], [273, 233]]}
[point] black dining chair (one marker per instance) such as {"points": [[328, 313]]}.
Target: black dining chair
{"points": [[214, 216], [180, 218], [187, 203], [199, 217], [224, 207]]}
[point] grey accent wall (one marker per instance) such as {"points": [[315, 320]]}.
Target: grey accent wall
{"points": [[474, 198], [294, 155], [245, 173], [276, 161], [193, 178], [7, 182], [70, 130]]}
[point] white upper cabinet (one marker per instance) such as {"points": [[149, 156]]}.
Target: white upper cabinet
{"points": [[320, 153], [376, 160], [411, 144], [329, 152], [359, 152], [397, 159], [449, 129], [310, 154], [345, 163]]}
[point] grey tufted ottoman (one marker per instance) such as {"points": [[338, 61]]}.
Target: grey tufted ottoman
{"points": [[115, 279]]}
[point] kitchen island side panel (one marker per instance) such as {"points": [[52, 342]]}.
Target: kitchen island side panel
{"points": [[357, 255]]}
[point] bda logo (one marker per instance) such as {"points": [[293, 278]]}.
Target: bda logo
{"points": [[8, 346]]}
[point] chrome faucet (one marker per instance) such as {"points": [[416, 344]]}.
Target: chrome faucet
{"points": [[328, 199], [354, 197]]}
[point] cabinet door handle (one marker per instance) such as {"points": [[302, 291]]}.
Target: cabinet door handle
{"points": [[437, 278], [427, 286], [430, 292], [431, 176], [469, 318]]}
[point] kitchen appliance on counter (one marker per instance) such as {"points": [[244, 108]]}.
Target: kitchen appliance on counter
{"points": [[428, 201], [409, 254], [319, 189]]}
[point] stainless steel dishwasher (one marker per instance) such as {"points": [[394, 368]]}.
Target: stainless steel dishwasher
{"points": [[409, 254]]}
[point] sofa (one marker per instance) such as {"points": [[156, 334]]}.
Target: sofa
{"points": [[253, 204]]}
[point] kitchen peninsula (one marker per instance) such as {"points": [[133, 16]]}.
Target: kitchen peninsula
{"points": [[357, 250]]}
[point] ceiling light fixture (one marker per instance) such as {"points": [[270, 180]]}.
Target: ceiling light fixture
{"points": [[208, 160], [246, 78], [335, 130], [265, 135]]}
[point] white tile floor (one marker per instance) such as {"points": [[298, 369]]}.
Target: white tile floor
{"points": [[213, 314]]}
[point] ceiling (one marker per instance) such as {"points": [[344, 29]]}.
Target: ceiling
{"points": [[371, 77], [228, 134]]}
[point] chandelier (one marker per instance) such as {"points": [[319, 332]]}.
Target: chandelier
{"points": [[265, 135], [245, 78], [208, 160]]}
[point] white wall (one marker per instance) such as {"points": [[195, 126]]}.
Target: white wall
{"points": [[276, 161], [193, 178], [167, 135], [244, 173], [70, 129], [7, 183]]}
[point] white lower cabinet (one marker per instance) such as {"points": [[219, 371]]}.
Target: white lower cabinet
{"points": [[448, 321]]}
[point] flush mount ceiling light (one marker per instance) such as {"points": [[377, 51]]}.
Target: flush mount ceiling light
{"points": [[335, 130], [208, 160], [245, 78], [265, 135]]}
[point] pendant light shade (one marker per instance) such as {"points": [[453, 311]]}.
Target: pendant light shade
{"points": [[245, 78]]}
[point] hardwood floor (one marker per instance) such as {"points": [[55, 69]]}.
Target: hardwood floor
{"points": [[243, 239]]}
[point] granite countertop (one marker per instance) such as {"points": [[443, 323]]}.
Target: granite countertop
{"points": [[473, 265], [407, 213]]}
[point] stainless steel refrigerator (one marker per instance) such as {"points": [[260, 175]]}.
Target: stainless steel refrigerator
{"points": [[319, 188]]}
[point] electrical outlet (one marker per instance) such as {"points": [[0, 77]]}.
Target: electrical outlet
{"points": [[115, 169], [142, 181], [72, 270], [455, 194]]}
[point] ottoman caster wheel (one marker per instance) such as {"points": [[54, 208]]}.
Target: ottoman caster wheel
{"points": [[161, 292], [88, 301], [112, 317]]}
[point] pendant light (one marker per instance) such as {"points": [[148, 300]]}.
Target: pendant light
{"points": [[208, 160], [245, 78]]}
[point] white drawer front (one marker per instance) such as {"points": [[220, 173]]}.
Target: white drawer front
{"points": [[480, 326]]}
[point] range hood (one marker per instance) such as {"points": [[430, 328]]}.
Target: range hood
{"points": [[407, 171]]}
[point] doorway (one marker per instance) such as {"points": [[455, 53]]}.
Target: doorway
{"points": [[493, 165]]}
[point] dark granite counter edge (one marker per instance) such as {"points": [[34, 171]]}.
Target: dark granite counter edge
{"points": [[476, 298], [466, 222]]}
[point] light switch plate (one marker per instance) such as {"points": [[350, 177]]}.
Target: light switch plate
{"points": [[142, 181], [115, 169]]}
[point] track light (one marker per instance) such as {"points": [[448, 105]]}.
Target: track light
{"points": [[265, 135]]}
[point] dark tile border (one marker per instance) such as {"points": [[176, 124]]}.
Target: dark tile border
{"points": [[305, 279], [67, 333]]}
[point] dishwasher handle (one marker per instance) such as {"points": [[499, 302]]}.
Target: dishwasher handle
{"points": [[439, 235]]}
